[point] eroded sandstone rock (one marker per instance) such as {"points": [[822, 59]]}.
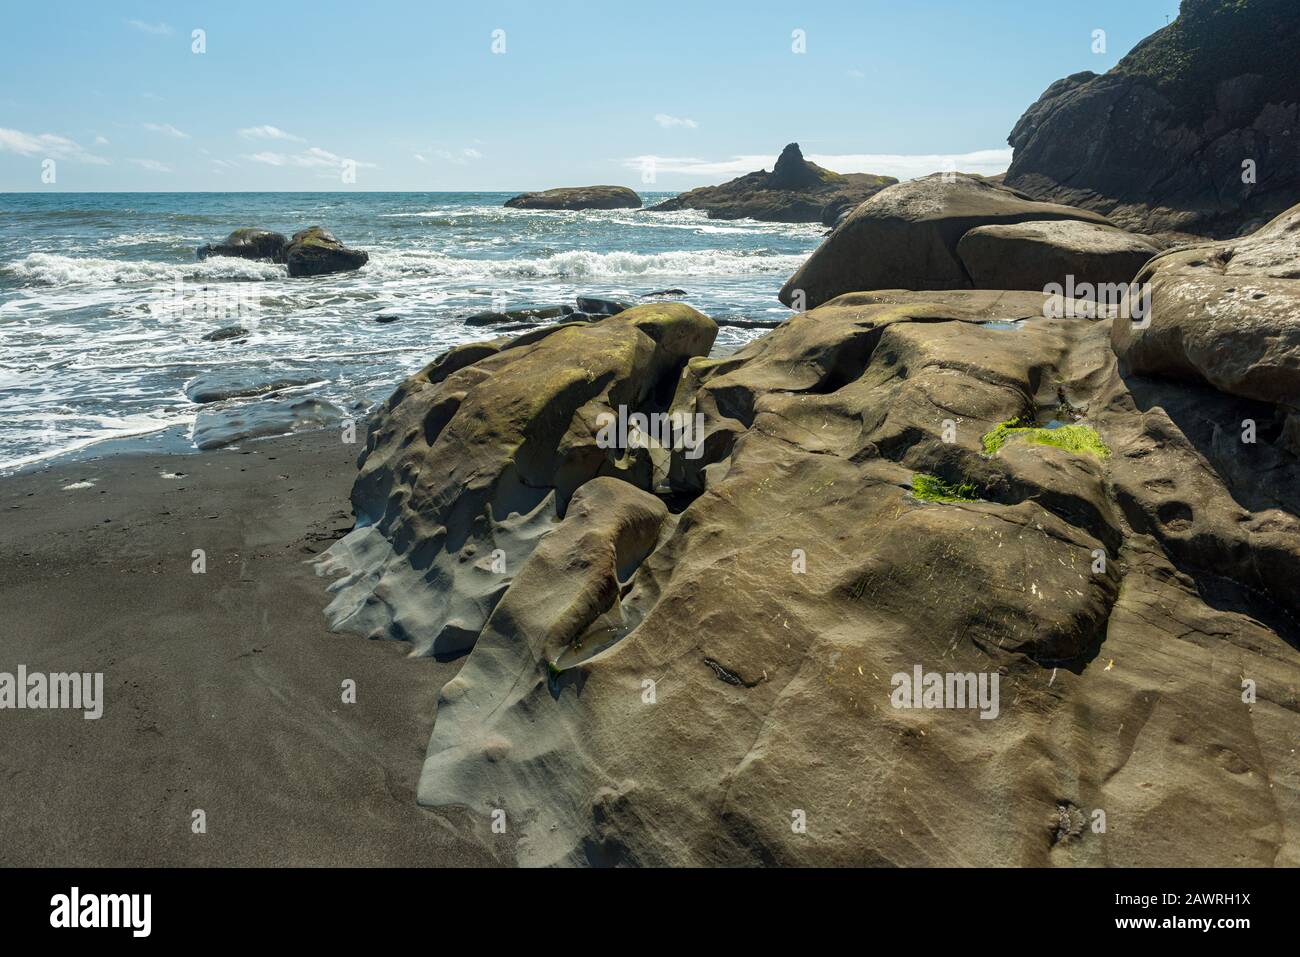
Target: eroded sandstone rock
{"points": [[682, 667]]}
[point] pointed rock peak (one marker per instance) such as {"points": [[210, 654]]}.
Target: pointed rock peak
{"points": [[791, 156], [792, 171]]}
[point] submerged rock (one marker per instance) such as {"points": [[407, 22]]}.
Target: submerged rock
{"points": [[905, 237], [680, 660], [517, 315], [238, 383], [1194, 130], [601, 307], [315, 252], [795, 191], [249, 244], [224, 333], [578, 197], [217, 427]]}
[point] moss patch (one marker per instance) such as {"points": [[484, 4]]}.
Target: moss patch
{"points": [[929, 488], [1078, 439]]}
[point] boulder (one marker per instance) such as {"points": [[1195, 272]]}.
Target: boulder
{"points": [[795, 191], [249, 244], [674, 667], [511, 426], [1034, 254], [315, 252], [578, 197], [1193, 131], [905, 237], [1226, 314]]}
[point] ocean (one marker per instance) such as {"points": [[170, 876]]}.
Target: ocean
{"points": [[103, 304]]}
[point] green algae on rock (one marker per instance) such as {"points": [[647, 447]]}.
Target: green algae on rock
{"points": [[1078, 439], [930, 488]]}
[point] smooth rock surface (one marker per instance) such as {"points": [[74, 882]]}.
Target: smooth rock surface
{"points": [[1226, 314], [217, 427], [905, 237], [1032, 255]]}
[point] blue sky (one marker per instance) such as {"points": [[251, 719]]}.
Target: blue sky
{"points": [[411, 92]]}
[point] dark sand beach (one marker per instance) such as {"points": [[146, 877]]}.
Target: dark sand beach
{"points": [[222, 690]]}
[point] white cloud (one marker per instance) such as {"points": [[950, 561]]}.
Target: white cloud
{"points": [[459, 157], [420, 158], [902, 166], [166, 128], [47, 145], [669, 122], [152, 166], [855, 74], [101, 140], [156, 29], [312, 158], [267, 132]]}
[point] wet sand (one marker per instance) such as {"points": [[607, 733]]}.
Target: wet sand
{"points": [[223, 690]]}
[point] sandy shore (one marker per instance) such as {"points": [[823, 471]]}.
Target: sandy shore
{"points": [[222, 690]]}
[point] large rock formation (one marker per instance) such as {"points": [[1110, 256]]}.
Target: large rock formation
{"points": [[906, 236], [796, 191], [1034, 255], [1194, 130], [1225, 314], [475, 456], [248, 243], [698, 661], [578, 197], [315, 252]]}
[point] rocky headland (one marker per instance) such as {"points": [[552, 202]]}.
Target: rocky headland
{"points": [[1194, 131], [795, 191]]}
